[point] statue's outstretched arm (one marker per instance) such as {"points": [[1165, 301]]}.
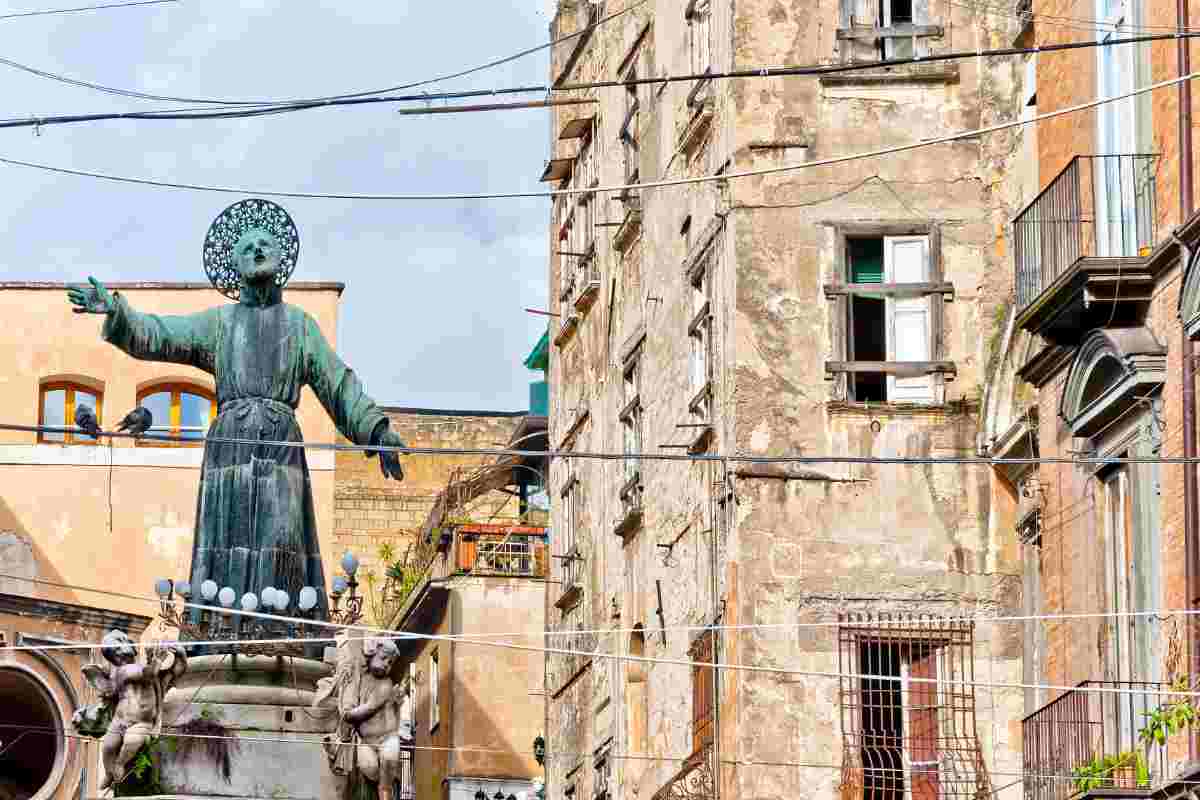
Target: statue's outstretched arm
{"points": [[188, 339], [340, 391]]}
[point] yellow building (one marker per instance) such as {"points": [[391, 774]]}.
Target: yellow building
{"points": [[74, 513]]}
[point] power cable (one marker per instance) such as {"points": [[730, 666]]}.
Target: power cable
{"points": [[85, 8], [611, 189], [409, 635], [563, 754], [249, 110], [131, 93], [584, 454]]}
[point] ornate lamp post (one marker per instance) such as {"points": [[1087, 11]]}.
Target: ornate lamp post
{"points": [[209, 625]]}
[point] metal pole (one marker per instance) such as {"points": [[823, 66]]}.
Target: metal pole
{"points": [[1190, 528]]}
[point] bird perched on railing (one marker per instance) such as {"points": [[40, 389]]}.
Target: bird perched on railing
{"points": [[85, 420], [137, 421]]}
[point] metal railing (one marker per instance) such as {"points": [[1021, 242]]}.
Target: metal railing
{"points": [[516, 554], [1078, 727], [1097, 207]]}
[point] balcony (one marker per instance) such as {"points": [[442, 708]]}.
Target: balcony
{"points": [[501, 550], [1079, 726], [1081, 247]]}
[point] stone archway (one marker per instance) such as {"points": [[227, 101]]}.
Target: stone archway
{"points": [[31, 737]]}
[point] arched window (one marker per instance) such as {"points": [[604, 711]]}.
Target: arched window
{"points": [[636, 698], [56, 408], [179, 409]]}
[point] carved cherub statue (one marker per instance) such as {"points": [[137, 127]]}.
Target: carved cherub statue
{"points": [[131, 699], [369, 706]]}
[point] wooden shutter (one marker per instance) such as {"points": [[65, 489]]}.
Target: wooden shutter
{"points": [[539, 558], [702, 692], [467, 547], [923, 724], [909, 334]]}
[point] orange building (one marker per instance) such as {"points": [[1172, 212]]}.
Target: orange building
{"points": [[1092, 373]]}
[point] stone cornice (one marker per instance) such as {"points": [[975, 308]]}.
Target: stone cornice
{"points": [[70, 613]]}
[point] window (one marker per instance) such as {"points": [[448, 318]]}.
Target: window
{"points": [[885, 29], [56, 408], [908, 709], [1034, 652], [703, 691], [183, 410], [1131, 584], [435, 711], [631, 428], [700, 336], [889, 326], [630, 124], [636, 698], [568, 554], [602, 775]]}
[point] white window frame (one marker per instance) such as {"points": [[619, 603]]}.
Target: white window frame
{"points": [[569, 555], [902, 313], [700, 338], [631, 419]]}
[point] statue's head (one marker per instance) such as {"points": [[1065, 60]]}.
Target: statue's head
{"points": [[118, 649], [380, 655], [257, 256]]}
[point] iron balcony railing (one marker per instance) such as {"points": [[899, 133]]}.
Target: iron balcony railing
{"points": [[1097, 207], [1080, 727]]}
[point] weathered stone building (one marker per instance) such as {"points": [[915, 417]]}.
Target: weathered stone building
{"points": [[847, 311]]}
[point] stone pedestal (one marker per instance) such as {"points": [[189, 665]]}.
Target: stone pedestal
{"points": [[267, 703]]}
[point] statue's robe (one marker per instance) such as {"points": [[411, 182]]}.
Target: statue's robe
{"points": [[255, 525]]}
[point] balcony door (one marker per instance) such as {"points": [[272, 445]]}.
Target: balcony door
{"points": [[1117, 183]]}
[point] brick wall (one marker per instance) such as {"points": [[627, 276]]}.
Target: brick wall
{"points": [[370, 511]]}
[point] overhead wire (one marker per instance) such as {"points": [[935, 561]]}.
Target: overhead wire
{"points": [[621, 456], [80, 9], [250, 110], [610, 189], [134, 94], [555, 753], [381, 633]]}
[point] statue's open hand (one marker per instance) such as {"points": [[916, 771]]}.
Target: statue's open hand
{"points": [[389, 460], [91, 299]]}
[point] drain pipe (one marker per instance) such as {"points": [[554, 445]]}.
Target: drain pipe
{"points": [[1190, 526]]}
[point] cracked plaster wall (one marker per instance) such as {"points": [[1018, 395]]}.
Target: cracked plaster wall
{"points": [[911, 537]]}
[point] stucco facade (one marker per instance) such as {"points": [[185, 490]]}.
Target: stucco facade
{"points": [[715, 319]]}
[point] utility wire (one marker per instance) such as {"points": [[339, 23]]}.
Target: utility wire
{"points": [[248, 110], [131, 93], [85, 8], [555, 753], [583, 454], [612, 189], [410, 635]]}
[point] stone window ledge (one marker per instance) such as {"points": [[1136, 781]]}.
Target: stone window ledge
{"points": [[908, 73]]}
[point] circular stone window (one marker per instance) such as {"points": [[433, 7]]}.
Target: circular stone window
{"points": [[30, 736]]}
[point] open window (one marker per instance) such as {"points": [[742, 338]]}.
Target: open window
{"points": [[567, 545], [698, 15], [435, 709], [57, 402], [873, 30], [179, 409], [630, 418], [891, 313]]}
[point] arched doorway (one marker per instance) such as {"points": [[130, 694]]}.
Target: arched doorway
{"points": [[31, 738]]}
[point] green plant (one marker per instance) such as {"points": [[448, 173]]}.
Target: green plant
{"points": [[1167, 720], [1102, 771], [143, 776]]}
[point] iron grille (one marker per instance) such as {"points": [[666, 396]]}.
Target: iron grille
{"points": [[908, 709]]}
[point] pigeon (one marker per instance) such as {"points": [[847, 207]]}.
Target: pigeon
{"points": [[137, 421], [85, 419]]}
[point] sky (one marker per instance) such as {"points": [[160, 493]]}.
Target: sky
{"points": [[433, 312]]}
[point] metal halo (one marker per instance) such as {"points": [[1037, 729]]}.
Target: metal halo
{"points": [[229, 226]]}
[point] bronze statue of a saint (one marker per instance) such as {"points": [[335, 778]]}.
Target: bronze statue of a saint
{"points": [[255, 524]]}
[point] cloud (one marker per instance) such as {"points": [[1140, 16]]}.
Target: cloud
{"points": [[433, 313]]}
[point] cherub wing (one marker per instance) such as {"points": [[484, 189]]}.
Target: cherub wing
{"points": [[100, 679]]}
